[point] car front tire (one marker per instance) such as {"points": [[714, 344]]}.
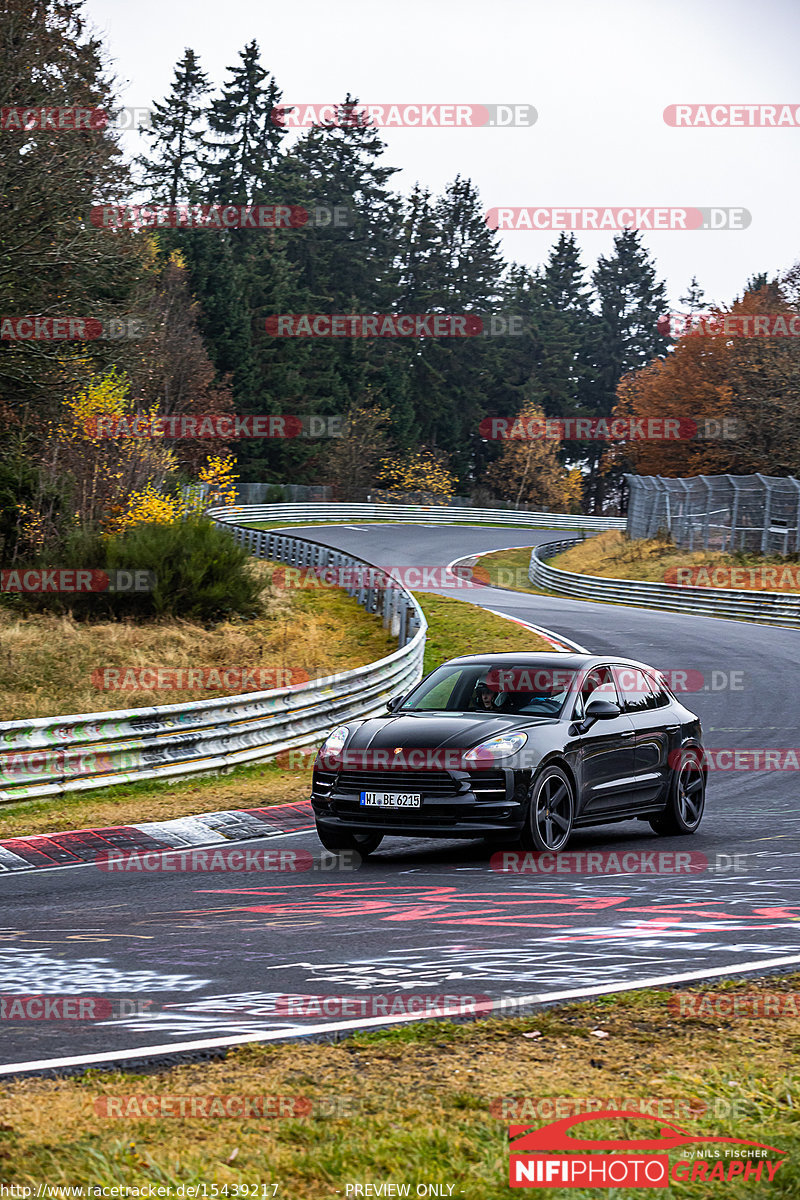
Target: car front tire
{"points": [[336, 840], [687, 799], [551, 811]]}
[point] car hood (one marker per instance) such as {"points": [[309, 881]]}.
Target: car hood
{"points": [[432, 731]]}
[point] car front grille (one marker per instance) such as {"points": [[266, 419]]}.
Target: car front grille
{"points": [[489, 785], [430, 783]]}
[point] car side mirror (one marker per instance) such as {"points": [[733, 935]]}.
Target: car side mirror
{"points": [[394, 703], [601, 710]]}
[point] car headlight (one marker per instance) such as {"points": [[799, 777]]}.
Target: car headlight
{"points": [[502, 746], [334, 742]]}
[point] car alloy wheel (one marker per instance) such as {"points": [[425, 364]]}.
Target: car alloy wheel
{"points": [[687, 798], [551, 811]]}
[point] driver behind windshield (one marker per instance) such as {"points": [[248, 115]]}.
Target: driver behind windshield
{"points": [[483, 697]]}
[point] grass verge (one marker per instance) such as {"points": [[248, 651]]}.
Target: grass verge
{"points": [[507, 569], [456, 627], [414, 1104]]}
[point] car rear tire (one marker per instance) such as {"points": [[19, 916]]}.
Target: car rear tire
{"points": [[345, 839], [551, 811], [687, 799]]}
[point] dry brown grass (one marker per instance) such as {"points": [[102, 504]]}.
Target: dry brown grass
{"points": [[613, 555]]}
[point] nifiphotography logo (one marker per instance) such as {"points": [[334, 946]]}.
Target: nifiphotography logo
{"points": [[642, 1162]]}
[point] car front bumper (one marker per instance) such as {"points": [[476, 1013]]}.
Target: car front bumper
{"points": [[454, 804]]}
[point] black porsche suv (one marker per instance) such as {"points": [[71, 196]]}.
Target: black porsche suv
{"points": [[517, 748]]}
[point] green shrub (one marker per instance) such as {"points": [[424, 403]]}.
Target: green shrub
{"points": [[200, 574]]}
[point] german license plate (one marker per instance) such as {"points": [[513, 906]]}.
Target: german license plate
{"points": [[391, 799]]}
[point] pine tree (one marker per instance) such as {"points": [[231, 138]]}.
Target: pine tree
{"points": [[463, 269], [468, 264], [336, 268], [354, 263], [694, 299], [567, 332], [244, 144], [173, 168]]}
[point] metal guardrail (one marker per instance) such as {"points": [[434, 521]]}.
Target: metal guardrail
{"points": [[769, 608], [48, 756], [412, 513]]}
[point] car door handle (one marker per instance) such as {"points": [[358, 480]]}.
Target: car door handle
{"points": [[629, 733], [672, 728]]}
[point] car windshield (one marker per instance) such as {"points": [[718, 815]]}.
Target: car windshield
{"points": [[531, 691]]}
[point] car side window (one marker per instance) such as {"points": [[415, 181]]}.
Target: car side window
{"points": [[661, 697], [598, 685], [635, 689]]}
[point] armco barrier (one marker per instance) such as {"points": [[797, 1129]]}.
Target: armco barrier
{"points": [[769, 608], [49, 756], [415, 514]]}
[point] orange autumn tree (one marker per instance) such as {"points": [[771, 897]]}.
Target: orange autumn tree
{"points": [[753, 383]]}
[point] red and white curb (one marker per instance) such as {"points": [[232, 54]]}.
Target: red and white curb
{"points": [[79, 846]]}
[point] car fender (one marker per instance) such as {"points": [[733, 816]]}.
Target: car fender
{"points": [[556, 759]]}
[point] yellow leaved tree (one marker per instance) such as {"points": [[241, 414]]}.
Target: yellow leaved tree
{"points": [[420, 475], [104, 473], [218, 474]]}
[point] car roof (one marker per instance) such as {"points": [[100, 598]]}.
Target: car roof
{"points": [[532, 658]]}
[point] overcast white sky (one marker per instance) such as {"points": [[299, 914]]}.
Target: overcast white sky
{"points": [[599, 72]]}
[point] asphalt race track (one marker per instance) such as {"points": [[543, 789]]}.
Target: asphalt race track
{"points": [[205, 956]]}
